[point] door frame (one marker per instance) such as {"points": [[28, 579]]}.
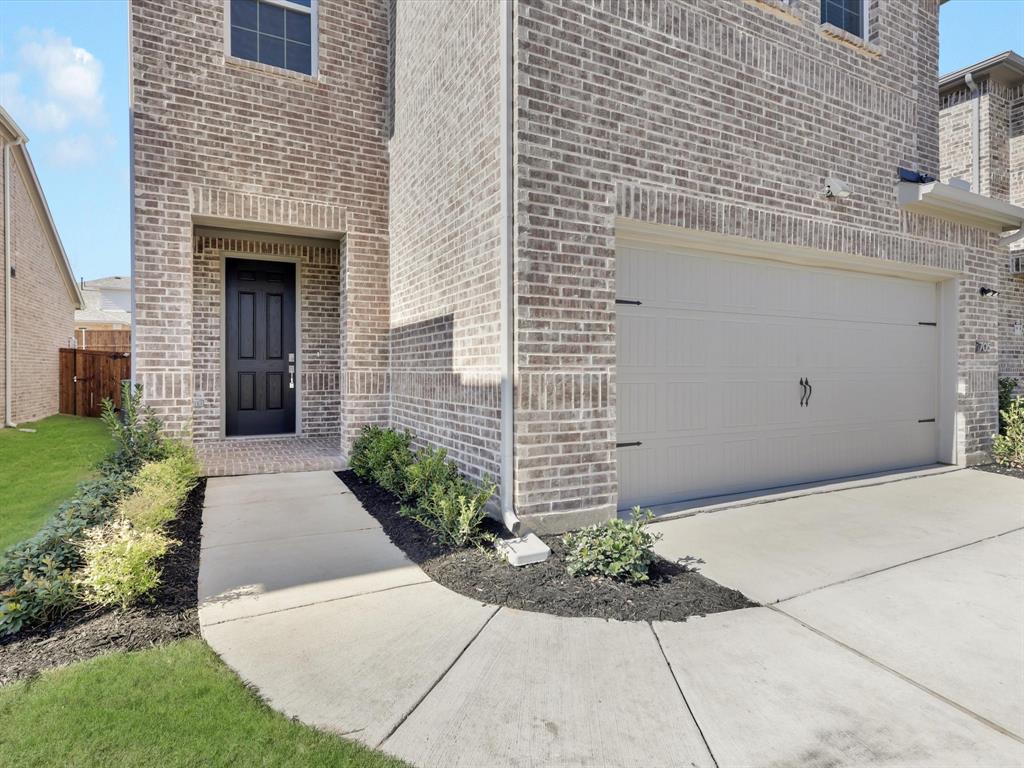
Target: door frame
{"points": [[222, 288], [947, 285]]}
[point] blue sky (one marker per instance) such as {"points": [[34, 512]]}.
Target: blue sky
{"points": [[64, 77]]}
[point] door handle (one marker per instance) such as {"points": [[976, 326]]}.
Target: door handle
{"points": [[803, 392], [810, 391]]}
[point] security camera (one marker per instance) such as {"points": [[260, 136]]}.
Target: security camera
{"points": [[836, 188]]}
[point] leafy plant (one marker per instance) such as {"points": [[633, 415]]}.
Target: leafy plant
{"points": [[160, 488], [430, 467], [1007, 387], [1008, 448], [454, 511], [135, 429], [620, 549], [382, 455], [44, 591], [120, 563]]}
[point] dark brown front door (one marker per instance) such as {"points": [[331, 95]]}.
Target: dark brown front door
{"points": [[260, 325]]}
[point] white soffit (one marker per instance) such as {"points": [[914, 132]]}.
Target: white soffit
{"points": [[960, 205]]}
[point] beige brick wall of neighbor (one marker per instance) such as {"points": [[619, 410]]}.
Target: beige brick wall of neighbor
{"points": [[3, 298], [723, 117], [445, 229], [1001, 151], [253, 147], [42, 308]]}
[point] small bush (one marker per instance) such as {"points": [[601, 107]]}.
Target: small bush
{"points": [[120, 563], [43, 592], [430, 467], [136, 432], [1008, 448], [617, 548], [160, 488], [382, 455], [1007, 387], [454, 511]]}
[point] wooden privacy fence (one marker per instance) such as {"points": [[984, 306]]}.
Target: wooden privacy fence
{"points": [[105, 341], [88, 376]]}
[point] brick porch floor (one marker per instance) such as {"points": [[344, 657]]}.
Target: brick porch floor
{"points": [[265, 455]]}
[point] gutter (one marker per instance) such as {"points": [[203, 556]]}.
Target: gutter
{"points": [[975, 134]]}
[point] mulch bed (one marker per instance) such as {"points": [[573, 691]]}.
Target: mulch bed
{"points": [[89, 632], [674, 592], [999, 469]]}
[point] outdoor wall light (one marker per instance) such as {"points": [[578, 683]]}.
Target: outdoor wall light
{"points": [[836, 188], [988, 291]]}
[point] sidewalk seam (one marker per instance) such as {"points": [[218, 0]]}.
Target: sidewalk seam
{"points": [[679, 688], [920, 686], [317, 602], [895, 565], [421, 699]]}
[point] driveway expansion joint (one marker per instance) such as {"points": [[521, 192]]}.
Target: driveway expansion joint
{"points": [[945, 699], [682, 695], [894, 566]]}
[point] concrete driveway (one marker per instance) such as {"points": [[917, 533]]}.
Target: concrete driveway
{"points": [[923, 578], [895, 637]]}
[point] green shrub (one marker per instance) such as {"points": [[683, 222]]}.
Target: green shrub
{"points": [[120, 563], [45, 591], [617, 548], [430, 467], [382, 455], [135, 429], [160, 488], [454, 511], [1007, 387], [1008, 448]]}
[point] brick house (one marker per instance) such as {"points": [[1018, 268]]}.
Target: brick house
{"points": [[609, 252], [981, 134], [38, 291]]}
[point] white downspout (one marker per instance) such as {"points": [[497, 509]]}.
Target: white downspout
{"points": [[975, 134], [528, 548], [8, 259], [507, 348]]}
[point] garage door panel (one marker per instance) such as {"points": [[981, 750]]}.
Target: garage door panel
{"points": [[709, 375]]}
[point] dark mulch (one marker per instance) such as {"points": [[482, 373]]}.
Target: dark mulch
{"points": [[92, 631], [675, 591], [999, 469]]}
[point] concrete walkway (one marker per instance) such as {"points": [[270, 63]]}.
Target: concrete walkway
{"points": [[867, 662]]}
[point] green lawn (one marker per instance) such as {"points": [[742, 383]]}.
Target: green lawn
{"points": [[39, 470], [176, 705]]}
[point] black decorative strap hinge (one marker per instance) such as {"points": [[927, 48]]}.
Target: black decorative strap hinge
{"points": [[634, 302], [628, 445]]}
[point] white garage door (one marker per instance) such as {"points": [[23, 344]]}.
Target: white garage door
{"points": [[710, 363]]}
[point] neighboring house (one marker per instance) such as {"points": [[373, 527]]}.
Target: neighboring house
{"points": [[607, 252], [38, 291], [981, 131], [106, 321]]}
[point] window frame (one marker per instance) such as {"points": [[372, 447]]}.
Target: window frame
{"points": [[865, 6], [312, 10]]}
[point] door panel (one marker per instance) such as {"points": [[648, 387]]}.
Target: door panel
{"points": [[260, 347], [709, 369]]}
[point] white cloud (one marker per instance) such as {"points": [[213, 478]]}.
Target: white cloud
{"points": [[56, 86], [73, 152], [72, 76]]}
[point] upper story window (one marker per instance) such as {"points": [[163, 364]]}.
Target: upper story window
{"points": [[850, 15], [281, 33]]}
